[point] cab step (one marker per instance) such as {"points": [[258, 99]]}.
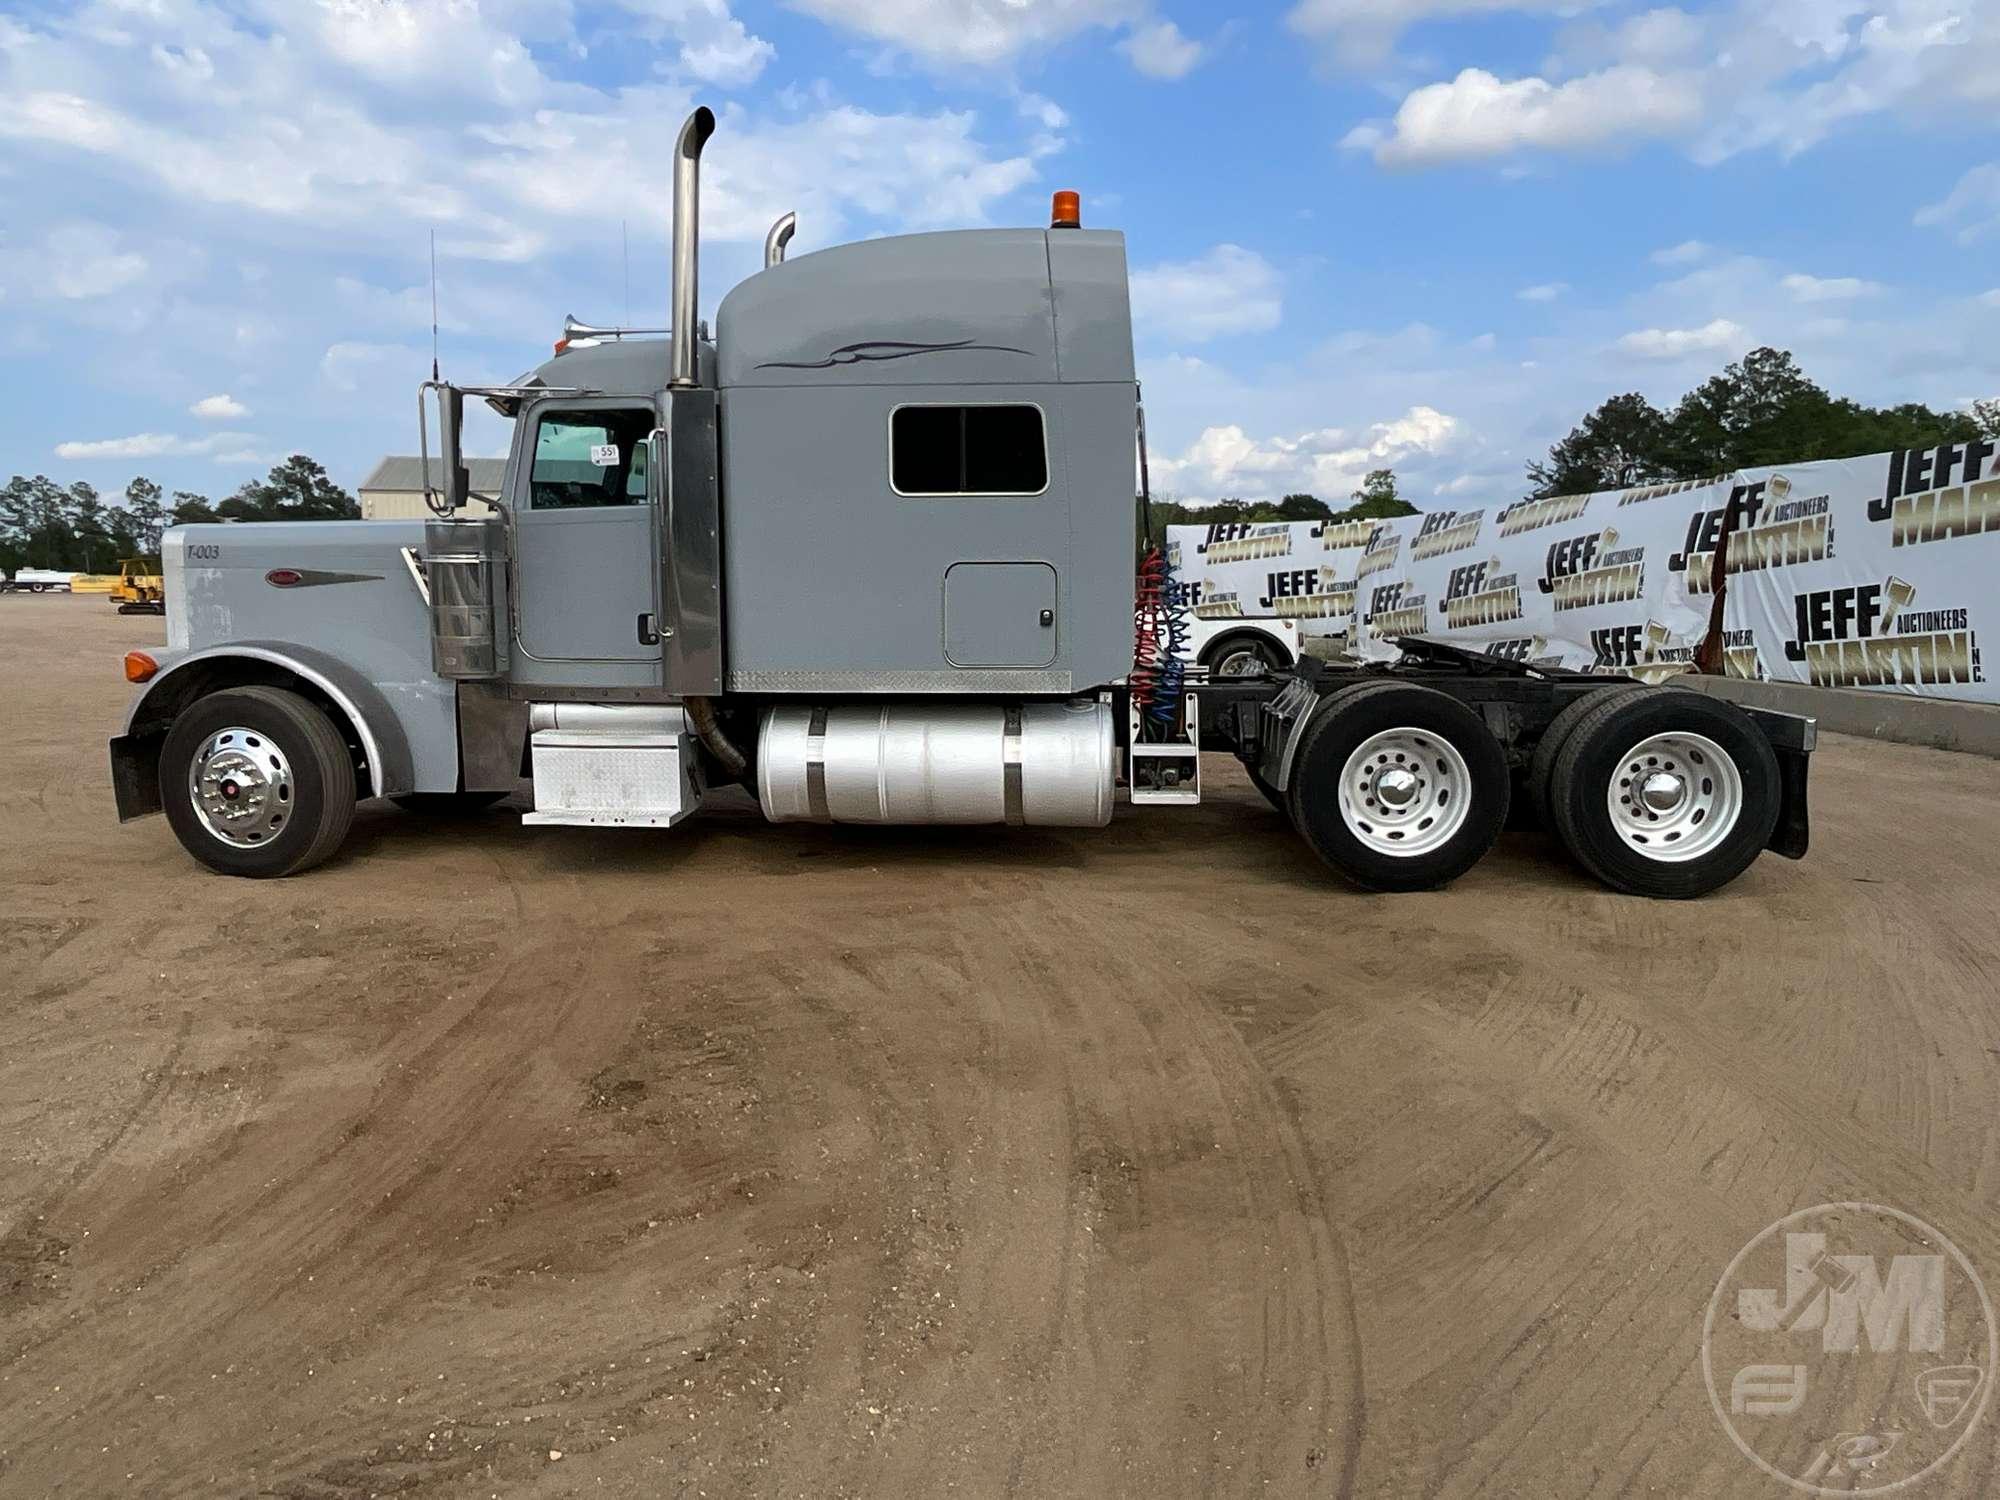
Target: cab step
{"points": [[602, 765]]}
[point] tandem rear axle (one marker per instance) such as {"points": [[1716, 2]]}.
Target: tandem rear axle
{"points": [[1401, 777]]}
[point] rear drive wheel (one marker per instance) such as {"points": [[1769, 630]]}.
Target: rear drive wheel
{"points": [[1542, 766], [1664, 792], [1244, 656], [257, 781], [447, 804], [1399, 787]]}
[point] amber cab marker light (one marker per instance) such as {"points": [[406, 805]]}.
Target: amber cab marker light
{"points": [[1067, 210], [139, 667]]}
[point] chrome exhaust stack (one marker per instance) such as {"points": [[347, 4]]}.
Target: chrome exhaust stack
{"points": [[687, 240], [779, 237]]}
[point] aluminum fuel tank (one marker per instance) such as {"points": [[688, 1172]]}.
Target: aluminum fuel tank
{"points": [[1049, 764]]}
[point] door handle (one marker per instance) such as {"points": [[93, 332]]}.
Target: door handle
{"points": [[1048, 617], [649, 634]]}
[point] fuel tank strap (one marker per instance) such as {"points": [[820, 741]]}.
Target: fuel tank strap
{"points": [[816, 768], [1010, 756]]}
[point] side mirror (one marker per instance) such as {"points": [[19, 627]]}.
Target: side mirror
{"points": [[451, 422], [454, 488]]}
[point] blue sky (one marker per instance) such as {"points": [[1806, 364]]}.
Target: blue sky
{"points": [[1426, 233]]}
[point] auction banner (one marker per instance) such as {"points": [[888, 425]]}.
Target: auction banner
{"points": [[1588, 582], [1299, 571], [1877, 572]]}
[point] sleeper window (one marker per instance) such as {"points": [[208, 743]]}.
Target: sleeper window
{"points": [[589, 458], [968, 450]]}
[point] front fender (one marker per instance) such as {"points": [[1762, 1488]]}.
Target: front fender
{"points": [[187, 675]]}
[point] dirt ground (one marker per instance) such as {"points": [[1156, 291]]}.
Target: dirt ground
{"points": [[743, 1160]]}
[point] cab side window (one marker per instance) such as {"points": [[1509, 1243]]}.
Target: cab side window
{"points": [[997, 449], [589, 458]]}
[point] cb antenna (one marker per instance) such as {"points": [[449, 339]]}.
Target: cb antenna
{"points": [[625, 250], [434, 304]]}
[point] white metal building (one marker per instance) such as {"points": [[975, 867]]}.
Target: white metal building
{"points": [[395, 490]]}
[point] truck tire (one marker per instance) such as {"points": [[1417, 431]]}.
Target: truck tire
{"points": [[1271, 794], [446, 804], [257, 781], [1659, 791], [1399, 787], [1542, 765], [1244, 655]]}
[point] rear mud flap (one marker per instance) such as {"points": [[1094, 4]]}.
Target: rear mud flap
{"points": [[1793, 832]]}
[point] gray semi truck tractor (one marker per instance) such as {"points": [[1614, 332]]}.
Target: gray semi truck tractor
{"points": [[866, 551]]}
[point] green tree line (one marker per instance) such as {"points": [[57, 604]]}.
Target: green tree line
{"points": [[74, 528], [1761, 410], [1377, 499]]}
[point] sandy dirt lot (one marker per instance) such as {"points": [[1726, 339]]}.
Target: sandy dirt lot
{"points": [[749, 1160]]}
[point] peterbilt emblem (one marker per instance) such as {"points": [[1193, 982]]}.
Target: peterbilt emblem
{"points": [[875, 350], [305, 578]]}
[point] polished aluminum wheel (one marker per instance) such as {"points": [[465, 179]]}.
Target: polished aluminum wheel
{"points": [[1674, 797], [1405, 791], [241, 787], [1241, 661]]}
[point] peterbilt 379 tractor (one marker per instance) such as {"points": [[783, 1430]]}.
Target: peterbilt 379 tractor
{"points": [[867, 552]]}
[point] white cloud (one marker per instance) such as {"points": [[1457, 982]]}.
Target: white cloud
{"points": [[989, 34], [1227, 461], [715, 47], [1921, 347], [1362, 33], [223, 446], [221, 408], [1228, 290], [969, 33], [86, 261], [353, 365], [1971, 210], [1748, 75], [1477, 115], [1805, 288], [1548, 291], [1159, 50], [1990, 299], [1686, 253], [1717, 337], [522, 162]]}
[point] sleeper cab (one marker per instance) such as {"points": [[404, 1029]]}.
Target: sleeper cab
{"points": [[928, 466]]}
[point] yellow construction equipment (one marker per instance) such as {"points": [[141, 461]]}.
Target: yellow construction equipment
{"points": [[140, 590]]}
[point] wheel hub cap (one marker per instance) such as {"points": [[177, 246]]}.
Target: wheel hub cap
{"points": [[1662, 791], [240, 785], [1396, 787], [1675, 797], [1405, 792]]}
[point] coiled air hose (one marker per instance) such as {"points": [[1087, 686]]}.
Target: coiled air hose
{"points": [[1160, 638]]}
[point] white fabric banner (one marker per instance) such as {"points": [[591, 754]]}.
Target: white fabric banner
{"points": [[1875, 572]]}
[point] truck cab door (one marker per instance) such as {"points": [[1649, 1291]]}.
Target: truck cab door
{"points": [[585, 537]]}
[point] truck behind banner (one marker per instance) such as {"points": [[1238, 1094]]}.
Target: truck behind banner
{"points": [[1874, 572]]}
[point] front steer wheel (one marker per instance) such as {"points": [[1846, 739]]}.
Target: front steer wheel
{"points": [[257, 781], [1398, 787]]}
